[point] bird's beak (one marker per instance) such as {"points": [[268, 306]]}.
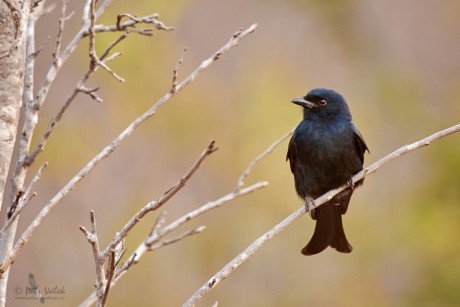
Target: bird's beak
{"points": [[303, 102]]}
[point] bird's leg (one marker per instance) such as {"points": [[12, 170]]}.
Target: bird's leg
{"points": [[310, 206]]}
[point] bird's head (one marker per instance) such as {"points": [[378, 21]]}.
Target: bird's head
{"points": [[323, 102]]}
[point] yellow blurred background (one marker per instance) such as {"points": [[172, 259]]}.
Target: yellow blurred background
{"points": [[396, 63]]}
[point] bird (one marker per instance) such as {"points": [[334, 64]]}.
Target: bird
{"points": [[325, 151]]}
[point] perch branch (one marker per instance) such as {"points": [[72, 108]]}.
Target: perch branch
{"points": [[254, 247]]}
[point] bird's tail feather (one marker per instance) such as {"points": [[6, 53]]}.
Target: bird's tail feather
{"points": [[328, 232]]}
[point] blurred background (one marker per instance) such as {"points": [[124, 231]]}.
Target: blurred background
{"points": [[397, 64]]}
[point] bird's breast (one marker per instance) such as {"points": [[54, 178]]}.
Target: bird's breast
{"points": [[323, 140]]}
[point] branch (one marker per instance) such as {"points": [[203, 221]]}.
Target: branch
{"points": [[22, 199], [93, 240], [130, 25], [24, 238], [154, 205], [79, 88], [155, 239], [243, 176], [254, 247]]}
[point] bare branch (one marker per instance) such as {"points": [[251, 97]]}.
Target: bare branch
{"points": [[243, 176], [254, 247], [110, 272], [185, 234], [151, 19], [93, 240], [22, 201], [65, 54], [116, 42], [63, 18], [79, 87], [154, 205], [24, 238], [161, 219], [94, 60], [91, 93], [176, 72]]}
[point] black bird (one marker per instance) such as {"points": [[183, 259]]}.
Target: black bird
{"points": [[325, 151]]}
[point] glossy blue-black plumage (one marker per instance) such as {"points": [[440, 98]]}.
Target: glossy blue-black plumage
{"points": [[325, 151]]}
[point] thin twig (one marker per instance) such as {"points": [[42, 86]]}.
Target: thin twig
{"points": [[185, 234], [176, 72], [159, 222], [116, 42], [24, 199], [63, 18], [243, 176], [110, 272], [154, 205], [254, 247], [93, 240]]}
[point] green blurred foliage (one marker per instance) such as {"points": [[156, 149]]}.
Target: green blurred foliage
{"points": [[401, 83]]}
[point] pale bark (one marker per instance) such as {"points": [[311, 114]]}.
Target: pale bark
{"points": [[14, 15]]}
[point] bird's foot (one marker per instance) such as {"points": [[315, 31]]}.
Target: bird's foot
{"points": [[310, 207], [351, 184]]}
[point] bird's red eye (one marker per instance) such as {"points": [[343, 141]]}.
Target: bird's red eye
{"points": [[322, 102]]}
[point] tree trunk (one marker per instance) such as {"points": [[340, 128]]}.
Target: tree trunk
{"points": [[13, 20]]}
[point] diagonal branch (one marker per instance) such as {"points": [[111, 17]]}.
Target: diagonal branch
{"points": [[243, 176], [26, 235], [254, 247], [154, 205]]}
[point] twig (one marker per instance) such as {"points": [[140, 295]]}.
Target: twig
{"points": [[94, 60], [93, 240], [110, 272], [154, 205], [65, 54], [161, 219], [176, 72], [116, 42], [151, 19], [62, 20], [22, 201], [243, 176], [254, 247], [79, 88], [185, 234]]}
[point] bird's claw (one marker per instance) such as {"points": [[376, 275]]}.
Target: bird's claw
{"points": [[310, 207], [351, 184]]}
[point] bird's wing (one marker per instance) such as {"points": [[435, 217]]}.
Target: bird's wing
{"points": [[292, 152], [359, 142]]}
